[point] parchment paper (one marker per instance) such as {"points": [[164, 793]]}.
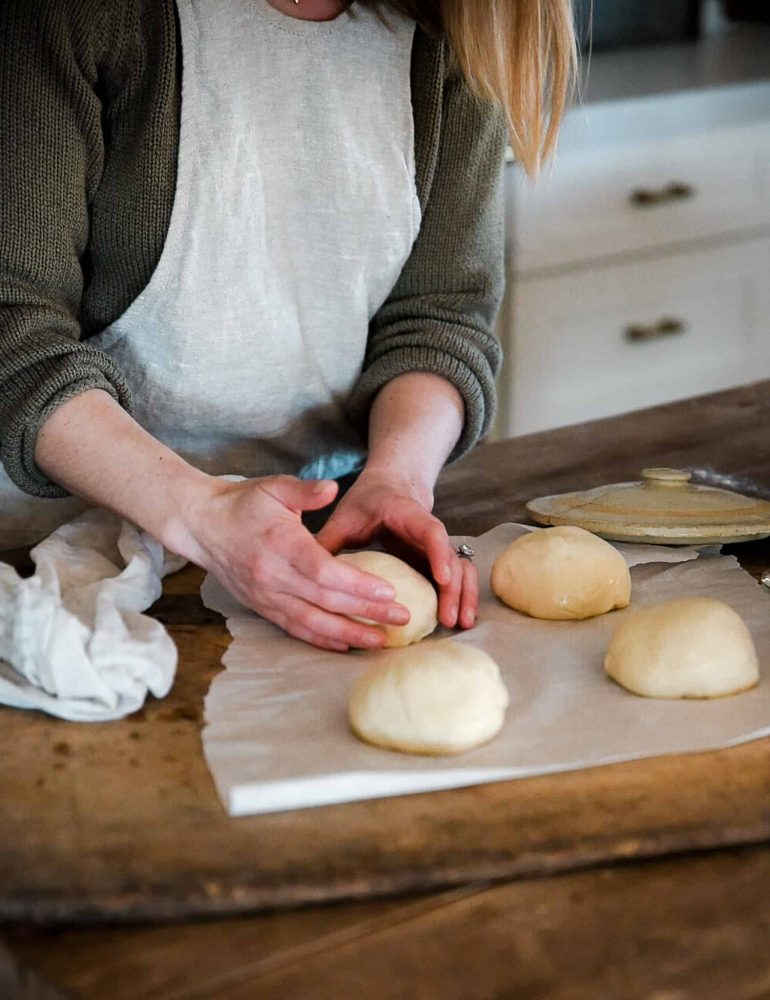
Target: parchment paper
{"points": [[277, 736]]}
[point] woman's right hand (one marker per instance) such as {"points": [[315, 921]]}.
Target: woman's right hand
{"points": [[248, 534], [251, 537]]}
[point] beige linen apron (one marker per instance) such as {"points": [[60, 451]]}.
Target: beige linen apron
{"points": [[294, 213]]}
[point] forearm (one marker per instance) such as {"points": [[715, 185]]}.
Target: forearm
{"points": [[93, 448], [248, 534], [440, 317], [415, 422]]}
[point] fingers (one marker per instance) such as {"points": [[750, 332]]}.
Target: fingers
{"points": [[449, 595], [314, 596], [469, 594], [344, 528], [404, 518], [326, 573], [459, 600], [316, 599], [458, 579], [297, 583], [384, 612], [321, 628], [427, 534]]}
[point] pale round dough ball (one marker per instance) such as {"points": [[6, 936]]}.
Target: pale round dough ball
{"points": [[412, 590], [561, 573], [691, 647], [444, 697]]}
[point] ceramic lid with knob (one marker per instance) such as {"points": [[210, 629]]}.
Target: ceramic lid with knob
{"points": [[665, 508]]}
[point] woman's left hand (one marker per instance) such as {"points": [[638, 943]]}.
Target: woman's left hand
{"points": [[382, 507]]}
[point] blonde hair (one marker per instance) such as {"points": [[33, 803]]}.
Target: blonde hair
{"points": [[520, 54]]}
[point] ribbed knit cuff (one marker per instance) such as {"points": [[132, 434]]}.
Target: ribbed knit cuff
{"points": [[56, 381]]}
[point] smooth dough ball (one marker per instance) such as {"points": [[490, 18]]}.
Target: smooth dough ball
{"points": [[412, 590], [561, 573], [692, 647], [444, 697]]}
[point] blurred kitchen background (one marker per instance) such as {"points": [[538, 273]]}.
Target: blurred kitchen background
{"points": [[638, 266]]}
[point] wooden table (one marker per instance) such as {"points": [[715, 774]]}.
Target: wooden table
{"points": [[513, 889]]}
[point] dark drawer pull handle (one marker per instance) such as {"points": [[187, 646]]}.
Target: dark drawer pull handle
{"points": [[651, 197], [641, 332]]}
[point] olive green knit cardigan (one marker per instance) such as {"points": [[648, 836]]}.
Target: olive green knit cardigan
{"points": [[89, 126]]}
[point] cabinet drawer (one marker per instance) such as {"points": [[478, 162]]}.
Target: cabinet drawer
{"points": [[592, 344], [633, 196]]}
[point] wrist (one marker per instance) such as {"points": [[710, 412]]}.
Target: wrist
{"points": [[414, 423], [416, 483], [186, 517]]}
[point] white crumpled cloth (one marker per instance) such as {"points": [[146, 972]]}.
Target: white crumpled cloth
{"points": [[73, 639]]}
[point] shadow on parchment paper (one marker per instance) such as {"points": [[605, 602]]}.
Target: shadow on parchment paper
{"points": [[314, 520]]}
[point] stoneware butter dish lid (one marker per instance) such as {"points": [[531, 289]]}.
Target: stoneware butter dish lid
{"points": [[665, 508]]}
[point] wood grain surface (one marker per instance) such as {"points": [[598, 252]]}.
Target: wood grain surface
{"points": [[120, 821], [674, 929]]}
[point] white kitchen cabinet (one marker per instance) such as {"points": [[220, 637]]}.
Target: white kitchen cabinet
{"points": [[638, 267], [626, 197], [618, 337]]}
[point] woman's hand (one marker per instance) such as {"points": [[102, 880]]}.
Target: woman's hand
{"points": [[377, 505], [250, 536], [415, 420]]}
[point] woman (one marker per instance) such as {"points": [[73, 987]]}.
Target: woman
{"points": [[261, 237]]}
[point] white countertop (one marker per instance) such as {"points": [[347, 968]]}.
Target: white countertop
{"points": [[735, 55]]}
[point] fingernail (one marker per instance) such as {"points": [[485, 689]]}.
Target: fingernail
{"points": [[398, 617], [453, 612], [385, 593], [372, 640]]}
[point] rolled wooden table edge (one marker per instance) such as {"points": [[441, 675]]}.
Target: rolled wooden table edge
{"points": [[214, 900]]}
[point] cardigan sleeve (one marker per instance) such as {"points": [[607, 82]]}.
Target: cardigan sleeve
{"points": [[440, 315], [51, 157]]}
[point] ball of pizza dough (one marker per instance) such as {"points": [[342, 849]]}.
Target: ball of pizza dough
{"points": [[443, 697], [412, 590], [561, 573], [691, 647]]}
